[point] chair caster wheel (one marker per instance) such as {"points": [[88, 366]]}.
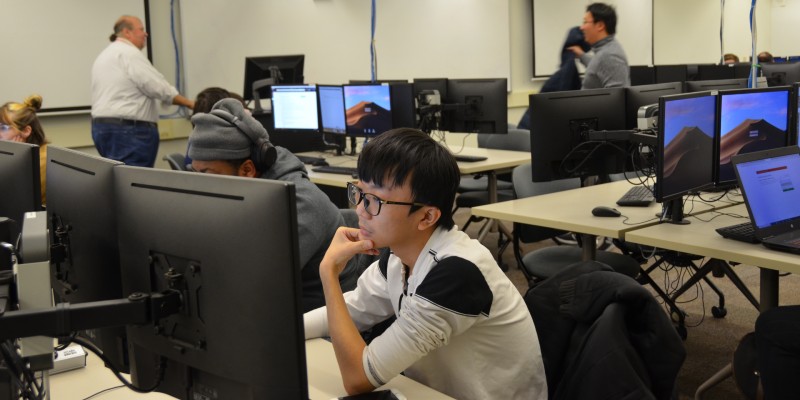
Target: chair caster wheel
{"points": [[677, 317], [719, 312]]}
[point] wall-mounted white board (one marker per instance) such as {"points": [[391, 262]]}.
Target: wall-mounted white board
{"points": [[49, 47], [413, 38]]}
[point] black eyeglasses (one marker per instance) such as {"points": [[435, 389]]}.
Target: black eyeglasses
{"points": [[372, 203]]}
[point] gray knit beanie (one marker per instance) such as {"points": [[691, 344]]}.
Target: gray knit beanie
{"points": [[227, 132]]}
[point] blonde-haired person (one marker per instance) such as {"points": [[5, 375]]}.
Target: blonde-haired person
{"points": [[19, 123]]}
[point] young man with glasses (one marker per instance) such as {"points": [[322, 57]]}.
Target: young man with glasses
{"points": [[461, 326], [609, 65]]}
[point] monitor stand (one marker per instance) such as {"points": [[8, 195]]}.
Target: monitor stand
{"points": [[674, 212]]}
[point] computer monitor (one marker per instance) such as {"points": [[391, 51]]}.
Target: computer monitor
{"points": [[481, 105], [20, 184], [721, 84], [229, 246], [638, 96], [294, 108], [709, 72], [375, 82], [404, 110], [749, 120], [331, 109], [559, 122], [83, 238], [286, 69], [642, 75], [368, 109], [429, 93], [794, 138], [671, 73], [685, 149], [781, 74]]}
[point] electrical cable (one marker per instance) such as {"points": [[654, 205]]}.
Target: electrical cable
{"points": [[751, 80], [721, 30], [373, 62], [115, 370], [181, 111]]}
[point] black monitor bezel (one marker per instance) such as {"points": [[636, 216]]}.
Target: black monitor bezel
{"points": [[731, 182], [86, 228], [20, 181], [718, 84], [791, 69], [545, 112], [658, 189], [351, 132], [245, 258], [316, 110], [463, 95], [293, 63], [645, 95], [322, 127]]}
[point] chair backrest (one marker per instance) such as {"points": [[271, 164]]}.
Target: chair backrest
{"points": [[515, 139], [525, 187], [175, 161]]}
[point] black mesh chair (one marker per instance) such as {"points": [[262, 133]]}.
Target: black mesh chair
{"points": [[543, 263], [176, 161], [473, 192]]}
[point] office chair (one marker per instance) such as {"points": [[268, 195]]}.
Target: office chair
{"points": [[473, 190], [602, 335], [176, 161], [666, 259], [541, 264], [515, 139]]}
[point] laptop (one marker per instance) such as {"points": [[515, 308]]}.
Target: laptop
{"points": [[770, 184]]}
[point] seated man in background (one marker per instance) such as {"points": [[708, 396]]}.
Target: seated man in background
{"points": [[730, 58], [461, 326], [228, 141], [203, 103], [765, 57]]}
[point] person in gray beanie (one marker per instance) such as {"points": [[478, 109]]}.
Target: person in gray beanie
{"points": [[229, 141]]}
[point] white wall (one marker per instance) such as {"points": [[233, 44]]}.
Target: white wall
{"points": [[777, 22]]}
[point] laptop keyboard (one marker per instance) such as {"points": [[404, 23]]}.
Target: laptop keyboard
{"points": [[637, 196], [743, 232]]}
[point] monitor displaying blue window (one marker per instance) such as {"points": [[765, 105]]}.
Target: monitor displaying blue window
{"points": [[368, 109], [331, 109], [294, 107], [749, 120]]}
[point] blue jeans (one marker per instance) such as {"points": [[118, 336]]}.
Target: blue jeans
{"points": [[133, 145]]}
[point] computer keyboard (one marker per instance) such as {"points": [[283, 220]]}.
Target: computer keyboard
{"points": [[332, 169], [309, 159], [743, 232], [637, 196], [466, 158]]}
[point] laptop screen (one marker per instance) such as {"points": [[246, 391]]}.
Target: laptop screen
{"points": [[771, 188]]}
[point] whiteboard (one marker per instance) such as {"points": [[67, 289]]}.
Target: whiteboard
{"points": [[49, 47], [552, 19], [413, 38]]}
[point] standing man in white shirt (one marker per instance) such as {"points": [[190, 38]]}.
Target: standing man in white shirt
{"points": [[125, 88]]}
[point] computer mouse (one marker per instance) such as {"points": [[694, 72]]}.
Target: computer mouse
{"points": [[603, 211], [320, 163]]}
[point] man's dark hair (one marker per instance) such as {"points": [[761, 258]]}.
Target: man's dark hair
{"points": [[405, 153], [605, 13], [207, 98]]}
